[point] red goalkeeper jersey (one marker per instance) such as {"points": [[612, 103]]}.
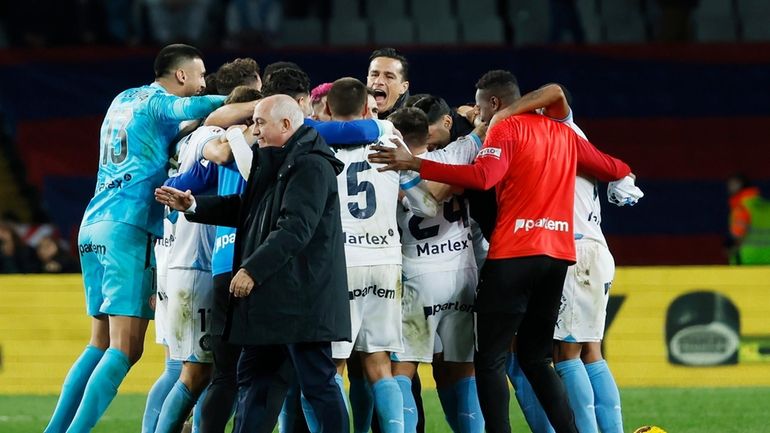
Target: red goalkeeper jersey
{"points": [[532, 161]]}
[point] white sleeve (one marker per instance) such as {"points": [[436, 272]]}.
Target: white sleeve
{"points": [[461, 151], [191, 146], [241, 152]]}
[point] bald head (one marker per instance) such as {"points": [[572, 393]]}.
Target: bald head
{"points": [[276, 119]]}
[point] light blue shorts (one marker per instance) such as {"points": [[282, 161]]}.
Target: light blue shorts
{"points": [[118, 263]]}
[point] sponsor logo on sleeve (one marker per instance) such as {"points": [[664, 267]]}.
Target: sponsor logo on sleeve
{"points": [[490, 151]]}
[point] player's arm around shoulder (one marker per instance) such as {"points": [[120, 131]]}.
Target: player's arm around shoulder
{"points": [[167, 107]]}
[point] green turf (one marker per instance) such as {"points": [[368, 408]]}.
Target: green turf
{"points": [[732, 410]]}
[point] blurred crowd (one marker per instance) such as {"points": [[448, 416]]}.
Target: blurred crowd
{"points": [[29, 249]]}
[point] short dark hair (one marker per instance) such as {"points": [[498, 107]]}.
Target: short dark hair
{"points": [[171, 56], [502, 84], [393, 54], [412, 99], [433, 106], [412, 123], [211, 83], [287, 81], [243, 94], [347, 97], [236, 73], [269, 69]]}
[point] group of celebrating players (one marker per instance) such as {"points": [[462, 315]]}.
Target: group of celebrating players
{"points": [[415, 237]]}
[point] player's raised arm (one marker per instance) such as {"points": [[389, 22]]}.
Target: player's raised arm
{"points": [[349, 133], [489, 167], [174, 108], [550, 97], [231, 114], [593, 162]]}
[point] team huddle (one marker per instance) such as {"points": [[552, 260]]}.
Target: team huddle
{"points": [[283, 237]]}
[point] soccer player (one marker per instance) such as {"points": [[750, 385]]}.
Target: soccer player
{"points": [[388, 77], [373, 254], [532, 160], [292, 82], [439, 279], [244, 72], [118, 228], [318, 100], [593, 394]]}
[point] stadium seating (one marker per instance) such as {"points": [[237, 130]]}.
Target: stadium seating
{"points": [[715, 28], [393, 31], [714, 21], [482, 30], [589, 17], [431, 10], [756, 29], [478, 9], [344, 9], [348, 32], [749, 9], [301, 32], [438, 32], [623, 21], [529, 20], [380, 9]]}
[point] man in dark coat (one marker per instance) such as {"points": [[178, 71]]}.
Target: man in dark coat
{"points": [[289, 294]]}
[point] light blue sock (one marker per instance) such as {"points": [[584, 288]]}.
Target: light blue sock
{"points": [[288, 417], [196, 421], [580, 394], [410, 406], [313, 425], [341, 385], [176, 408], [100, 390], [361, 404], [469, 415], [72, 389], [401, 415], [448, 399], [606, 397], [158, 394], [525, 395]]}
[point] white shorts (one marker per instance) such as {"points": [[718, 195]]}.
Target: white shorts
{"points": [[161, 306], [438, 316], [583, 307], [190, 299], [375, 311]]}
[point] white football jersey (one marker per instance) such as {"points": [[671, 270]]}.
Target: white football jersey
{"points": [[193, 242], [588, 209], [443, 242], [368, 203]]}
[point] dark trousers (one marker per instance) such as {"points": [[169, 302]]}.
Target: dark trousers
{"points": [[519, 297], [220, 399], [261, 366]]}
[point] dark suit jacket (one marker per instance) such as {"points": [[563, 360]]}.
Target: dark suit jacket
{"points": [[290, 241]]}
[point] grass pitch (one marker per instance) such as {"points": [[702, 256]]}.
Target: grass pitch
{"points": [[677, 410]]}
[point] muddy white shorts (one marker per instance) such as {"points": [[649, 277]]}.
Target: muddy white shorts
{"points": [[583, 307], [188, 315]]}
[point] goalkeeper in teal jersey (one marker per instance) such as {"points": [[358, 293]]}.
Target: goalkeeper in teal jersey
{"points": [[119, 226]]}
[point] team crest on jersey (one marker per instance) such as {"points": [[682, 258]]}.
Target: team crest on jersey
{"points": [[491, 151]]}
